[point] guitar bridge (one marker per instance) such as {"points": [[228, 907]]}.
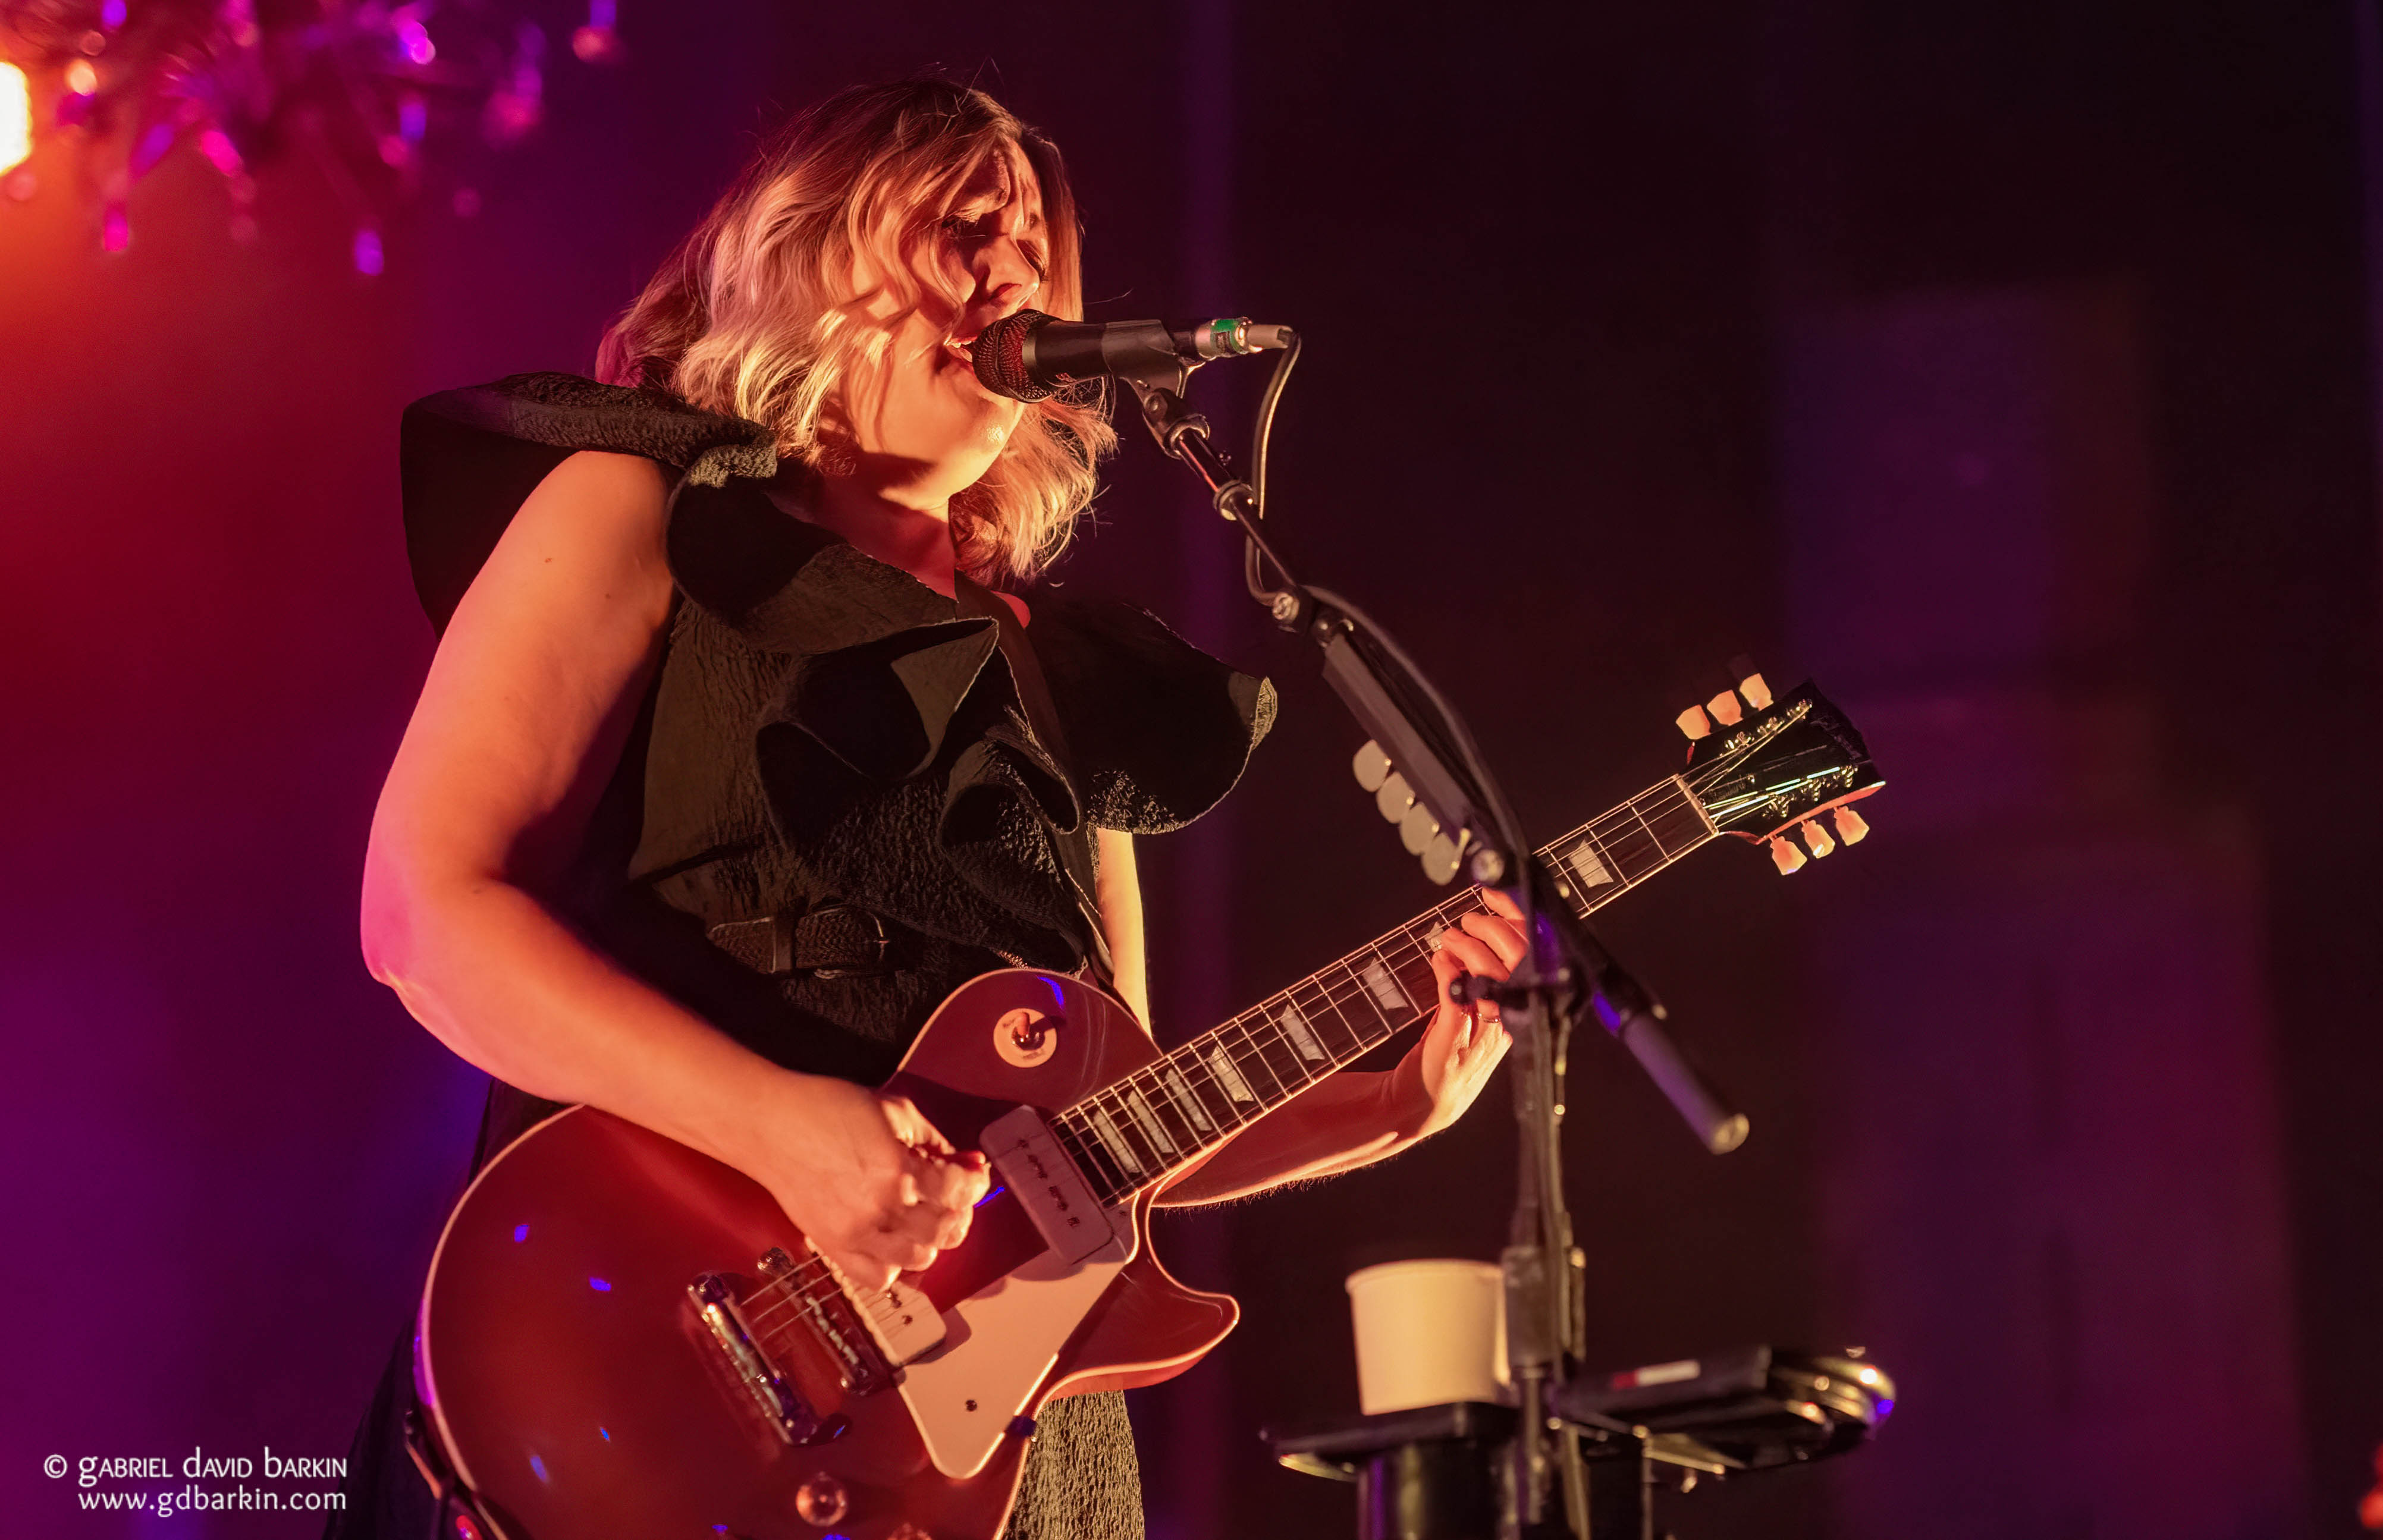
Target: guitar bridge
{"points": [[782, 1406]]}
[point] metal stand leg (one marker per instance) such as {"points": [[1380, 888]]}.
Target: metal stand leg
{"points": [[1622, 1498], [1432, 1473], [1441, 1490]]}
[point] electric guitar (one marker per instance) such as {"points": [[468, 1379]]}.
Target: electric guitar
{"points": [[621, 1338]]}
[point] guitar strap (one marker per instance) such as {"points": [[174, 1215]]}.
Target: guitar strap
{"points": [[1073, 847], [845, 941]]}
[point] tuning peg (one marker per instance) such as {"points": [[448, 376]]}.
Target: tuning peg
{"points": [[1371, 766], [1757, 694], [1418, 828], [1694, 722], [1851, 827], [1724, 708], [1393, 798], [1816, 838], [1785, 856]]}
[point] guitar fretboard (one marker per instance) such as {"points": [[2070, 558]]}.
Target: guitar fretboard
{"points": [[1139, 1129]]}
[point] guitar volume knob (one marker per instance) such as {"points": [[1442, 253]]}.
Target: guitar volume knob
{"points": [[822, 1500], [1026, 1037]]}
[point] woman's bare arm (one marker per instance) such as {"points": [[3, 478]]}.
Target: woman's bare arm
{"points": [[1119, 896], [1355, 1118], [520, 724], [1349, 1119]]}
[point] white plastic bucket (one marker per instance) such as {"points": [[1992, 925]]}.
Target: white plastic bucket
{"points": [[1428, 1332]]}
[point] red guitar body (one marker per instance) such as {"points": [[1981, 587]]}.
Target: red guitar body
{"points": [[622, 1339], [577, 1394]]}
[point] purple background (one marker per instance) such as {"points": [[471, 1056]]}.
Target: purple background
{"points": [[2009, 369]]}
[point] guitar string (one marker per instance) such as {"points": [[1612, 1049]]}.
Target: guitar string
{"points": [[813, 1273], [1243, 1027], [812, 1282], [1303, 1073], [797, 1286], [1151, 1077], [807, 1286], [811, 1305], [1242, 1049], [1395, 946], [1394, 949], [811, 1286]]}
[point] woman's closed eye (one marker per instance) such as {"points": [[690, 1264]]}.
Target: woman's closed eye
{"points": [[970, 232]]}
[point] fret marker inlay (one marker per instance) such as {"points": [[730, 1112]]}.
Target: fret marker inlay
{"points": [[1188, 1103], [1592, 871], [1294, 1026], [1229, 1076], [1386, 988], [1113, 1141], [1149, 1121]]}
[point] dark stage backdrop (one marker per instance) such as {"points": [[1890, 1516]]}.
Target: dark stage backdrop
{"points": [[2007, 368]]}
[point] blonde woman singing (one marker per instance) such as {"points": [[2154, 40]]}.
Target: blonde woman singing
{"points": [[730, 765]]}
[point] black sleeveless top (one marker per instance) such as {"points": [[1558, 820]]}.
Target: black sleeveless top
{"points": [[825, 730], [828, 742]]}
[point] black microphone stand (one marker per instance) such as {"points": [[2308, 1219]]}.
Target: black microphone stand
{"points": [[1543, 1487]]}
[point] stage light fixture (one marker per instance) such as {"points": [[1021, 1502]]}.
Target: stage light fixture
{"points": [[15, 118]]}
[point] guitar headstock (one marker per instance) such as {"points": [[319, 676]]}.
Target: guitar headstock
{"points": [[1767, 770]]}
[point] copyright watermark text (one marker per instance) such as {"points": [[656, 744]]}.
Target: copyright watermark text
{"points": [[202, 1483]]}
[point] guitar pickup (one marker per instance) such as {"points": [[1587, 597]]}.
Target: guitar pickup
{"points": [[902, 1321], [1028, 1157]]}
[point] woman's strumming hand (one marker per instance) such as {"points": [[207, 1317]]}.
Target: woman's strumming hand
{"points": [[1440, 1077], [866, 1179]]}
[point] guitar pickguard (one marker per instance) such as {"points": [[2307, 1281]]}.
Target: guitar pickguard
{"points": [[964, 1401]]}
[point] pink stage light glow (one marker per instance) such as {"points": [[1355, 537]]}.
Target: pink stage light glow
{"points": [[413, 40], [15, 118]]}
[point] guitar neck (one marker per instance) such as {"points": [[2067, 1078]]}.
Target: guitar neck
{"points": [[1140, 1130]]}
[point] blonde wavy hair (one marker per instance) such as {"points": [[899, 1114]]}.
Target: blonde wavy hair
{"points": [[753, 314]]}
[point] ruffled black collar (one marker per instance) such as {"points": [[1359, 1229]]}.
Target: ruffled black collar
{"points": [[878, 664]]}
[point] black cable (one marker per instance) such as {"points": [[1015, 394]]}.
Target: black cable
{"points": [[1452, 729], [1262, 436], [1261, 439]]}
